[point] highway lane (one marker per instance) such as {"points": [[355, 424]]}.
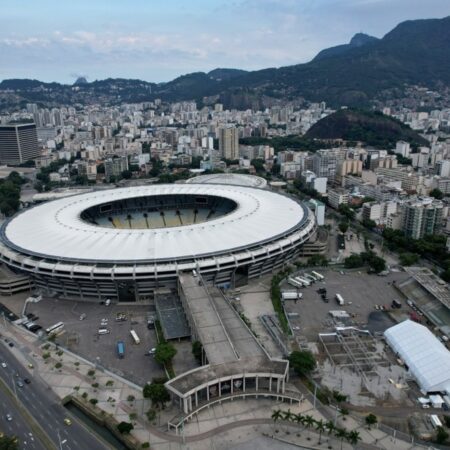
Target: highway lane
{"points": [[19, 425], [45, 408]]}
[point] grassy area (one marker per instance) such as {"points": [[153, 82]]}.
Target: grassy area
{"points": [[275, 295]]}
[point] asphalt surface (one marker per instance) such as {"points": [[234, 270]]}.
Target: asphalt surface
{"points": [[19, 425], [45, 408]]}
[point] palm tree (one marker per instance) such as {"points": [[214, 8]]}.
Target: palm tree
{"points": [[300, 419], [288, 415], [353, 437], [344, 412], [309, 422], [330, 426], [320, 427], [276, 415], [341, 434]]}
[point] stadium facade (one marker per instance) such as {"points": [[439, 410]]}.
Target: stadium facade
{"points": [[125, 243]]}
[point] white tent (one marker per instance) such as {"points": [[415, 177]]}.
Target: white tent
{"points": [[427, 359]]}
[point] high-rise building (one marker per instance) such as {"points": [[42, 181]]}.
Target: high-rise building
{"points": [[115, 166], [421, 217], [229, 142], [18, 143]]}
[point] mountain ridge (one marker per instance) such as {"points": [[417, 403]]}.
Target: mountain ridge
{"points": [[353, 75]]}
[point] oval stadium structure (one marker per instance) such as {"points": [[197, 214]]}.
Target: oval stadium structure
{"points": [[125, 243]]}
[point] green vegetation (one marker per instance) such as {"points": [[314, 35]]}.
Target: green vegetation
{"points": [[157, 392], [343, 227], [371, 127], [441, 436], [125, 427], [165, 352], [84, 395], [45, 355], [408, 259], [371, 419], [93, 401], [58, 365], [109, 383], [275, 295], [347, 212], [91, 373], [197, 349], [292, 141], [8, 442], [94, 385], [302, 362], [437, 193], [432, 247], [151, 414], [307, 422], [131, 398], [10, 193], [317, 260], [376, 263]]}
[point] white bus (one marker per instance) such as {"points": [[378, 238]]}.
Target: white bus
{"points": [[304, 281], [55, 328], [317, 275], [309, 277], [339, 299], [135, 337], [295, 283]]}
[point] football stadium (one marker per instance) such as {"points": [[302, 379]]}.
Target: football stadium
{"points": [[124, 244]]}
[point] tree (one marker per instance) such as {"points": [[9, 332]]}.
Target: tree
{"points": [[441, 436], [371, 419], [8, 442], [288, 415], [320, 427], [346, 211], [437, 194], [125, 427], [408, 259], [127, 174], [370, 224], [302, 362], [353, 261], [341, 434], [309, 421], [164, 353], [197, 349], [353, 437], [277, 414], [329, 425], [157, 393], [344, 412], [377, 263], [343, 227]]}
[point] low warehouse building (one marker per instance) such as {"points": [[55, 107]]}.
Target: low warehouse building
{"points": [[427, 359]]}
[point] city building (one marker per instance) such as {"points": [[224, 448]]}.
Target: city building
{"points": [[421, 216], [115, 166], [18, 143], [229, 142], [338, 197], [319, 211]]}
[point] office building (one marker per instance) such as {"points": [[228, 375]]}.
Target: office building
{"points": [[229, 142], [338, 197], [18, 143]]}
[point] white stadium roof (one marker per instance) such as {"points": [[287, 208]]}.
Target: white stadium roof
{"points": [[233, 179], [55, 229], [427, 359]]}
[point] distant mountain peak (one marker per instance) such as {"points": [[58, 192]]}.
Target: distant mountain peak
{"points": [[358, 40], [80, 80]]}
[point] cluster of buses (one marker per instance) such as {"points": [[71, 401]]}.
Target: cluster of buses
{"points": [[306, 279]]}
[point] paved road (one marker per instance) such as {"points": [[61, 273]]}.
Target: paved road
{"points": [[19, 425], [45, 408]]}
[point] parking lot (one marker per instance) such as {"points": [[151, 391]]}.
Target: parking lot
{"points": [[82, 337], [361, 292]]}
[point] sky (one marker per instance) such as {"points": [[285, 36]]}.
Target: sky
{"points": [[156, 40]]}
